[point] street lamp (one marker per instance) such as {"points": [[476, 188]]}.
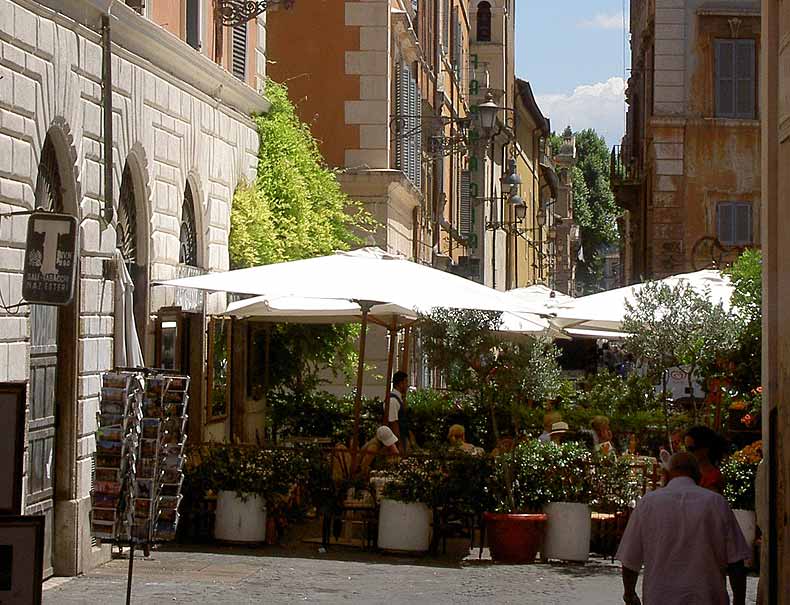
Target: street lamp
{"points": [[488, 113]]}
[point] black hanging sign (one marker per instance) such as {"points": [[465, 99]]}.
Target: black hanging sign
{"points": [[51, 259]]}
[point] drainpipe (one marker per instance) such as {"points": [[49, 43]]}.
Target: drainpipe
{"points": [[107, 213]]}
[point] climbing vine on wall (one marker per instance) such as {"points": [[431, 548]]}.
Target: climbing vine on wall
{"points": [[295, 208]]}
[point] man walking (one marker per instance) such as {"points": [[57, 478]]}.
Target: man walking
{"points": [[689, 542]]}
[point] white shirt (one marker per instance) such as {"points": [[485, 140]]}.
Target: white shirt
{"points": [[394, 406], [686, 536]]}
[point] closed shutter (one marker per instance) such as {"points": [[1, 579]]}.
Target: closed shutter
{"points": [[743, 224], [726, 219], [401, 123], [239, 63], [744, 79], [725, 78], [193, 23], [446, 26], [457, 44], [415, 141], [465, 223]]}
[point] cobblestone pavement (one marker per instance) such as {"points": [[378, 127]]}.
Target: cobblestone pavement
{"points": [[275, 575]]}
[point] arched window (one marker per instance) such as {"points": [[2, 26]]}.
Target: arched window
{"points": [[49, 191], [188, 236], [126, 236], [484, 22]]}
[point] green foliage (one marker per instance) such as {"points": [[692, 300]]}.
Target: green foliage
{"points": [[677, 326], [541, 472], [747, 300], [295, 208], [247, 470], [416, 480], [594, 207], [615, 485], [739, 477]]}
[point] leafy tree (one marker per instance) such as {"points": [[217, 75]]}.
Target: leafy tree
{"points": [[594, 207], [501, 375], [676, 326], [747, 302], [295, 208]]}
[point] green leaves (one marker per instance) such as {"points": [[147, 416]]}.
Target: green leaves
{"points": [[295, 208]]}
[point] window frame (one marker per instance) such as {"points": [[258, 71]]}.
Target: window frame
{"points": [[227, 324], [719, 45], [485, 6], [734, 205]]}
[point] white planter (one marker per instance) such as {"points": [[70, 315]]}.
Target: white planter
{"points": [[240, 520], [567, 531], [747, 522], [404, 526]]}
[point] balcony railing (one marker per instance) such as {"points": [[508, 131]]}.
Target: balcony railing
{"points": [[622, 172]]}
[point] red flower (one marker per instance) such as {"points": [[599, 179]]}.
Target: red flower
{"points": [[747, 419]]}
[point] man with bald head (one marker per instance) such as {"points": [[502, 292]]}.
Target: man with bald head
{"points": [[689, 542]]}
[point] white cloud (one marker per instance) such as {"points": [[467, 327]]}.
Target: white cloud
{"points": [[603, 21], [600, 106]]}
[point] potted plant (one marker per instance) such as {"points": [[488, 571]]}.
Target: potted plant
{"points": [[740, 472], [405, 513], [503, 377], [570, 491], [248, 482]]}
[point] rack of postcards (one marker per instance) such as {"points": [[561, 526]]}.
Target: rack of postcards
{"points": [[139, 456]]}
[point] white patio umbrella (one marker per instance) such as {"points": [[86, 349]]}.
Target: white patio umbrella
{"points": [[299, 309], [375, 281], [605, 311]]}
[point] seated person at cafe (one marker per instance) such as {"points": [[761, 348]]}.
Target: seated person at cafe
{"points": [[381, 446], [457, 439], [548, 419], [602, 435]]}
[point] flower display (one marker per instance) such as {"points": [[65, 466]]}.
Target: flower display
{"points": [[740, 472]]}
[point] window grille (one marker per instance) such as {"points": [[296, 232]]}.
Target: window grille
{"points": [[188, 235], [126, 229]]}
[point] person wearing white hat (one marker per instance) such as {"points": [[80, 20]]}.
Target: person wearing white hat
{"points": [[558, 432], [382, 444]]}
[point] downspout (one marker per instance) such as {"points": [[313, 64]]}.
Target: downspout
{"points": [[107, 213]]}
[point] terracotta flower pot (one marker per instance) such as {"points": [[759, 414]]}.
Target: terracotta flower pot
{"points": [[515, 538]]}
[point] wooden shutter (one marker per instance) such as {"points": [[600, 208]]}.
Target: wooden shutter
{"points": [[239, 63], [725, 78], [745, 65], [446, 26], [193, 23], [465, 223], [743, 223], [725, 228], [457, 44], [415, 140]]}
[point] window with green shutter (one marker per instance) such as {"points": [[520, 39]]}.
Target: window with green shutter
{"points": [[735, 79], [408, 144], [239, 54]]}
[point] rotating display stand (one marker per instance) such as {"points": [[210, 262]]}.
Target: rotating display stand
{"points": [[139, 458]]}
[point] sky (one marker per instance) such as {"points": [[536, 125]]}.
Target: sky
{"points": [[571, 52]]}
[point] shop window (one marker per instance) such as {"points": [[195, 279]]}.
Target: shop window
{"points": [[219, 354], [484, 22], [734, 223], [736, 87]]}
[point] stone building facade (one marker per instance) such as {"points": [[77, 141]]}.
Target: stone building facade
{"points": [[775, 126], [692, 96], [182, 140]]}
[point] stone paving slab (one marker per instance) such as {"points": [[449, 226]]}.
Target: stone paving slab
{"points": [[272, 575]]}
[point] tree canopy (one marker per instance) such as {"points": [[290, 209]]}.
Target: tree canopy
{"points": [[295, 208]]}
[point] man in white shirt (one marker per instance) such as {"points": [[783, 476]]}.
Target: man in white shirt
{"points": [[689, 542], [400, 384]]}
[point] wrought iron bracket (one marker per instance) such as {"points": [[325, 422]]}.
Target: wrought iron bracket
{"points": [[236, 12]]}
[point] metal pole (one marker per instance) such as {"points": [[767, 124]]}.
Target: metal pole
{"points": [[390, 365], [107, 109], [365, 306], [129, 577]]}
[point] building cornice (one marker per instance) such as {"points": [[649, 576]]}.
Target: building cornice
{"points": [[144, 40]]}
